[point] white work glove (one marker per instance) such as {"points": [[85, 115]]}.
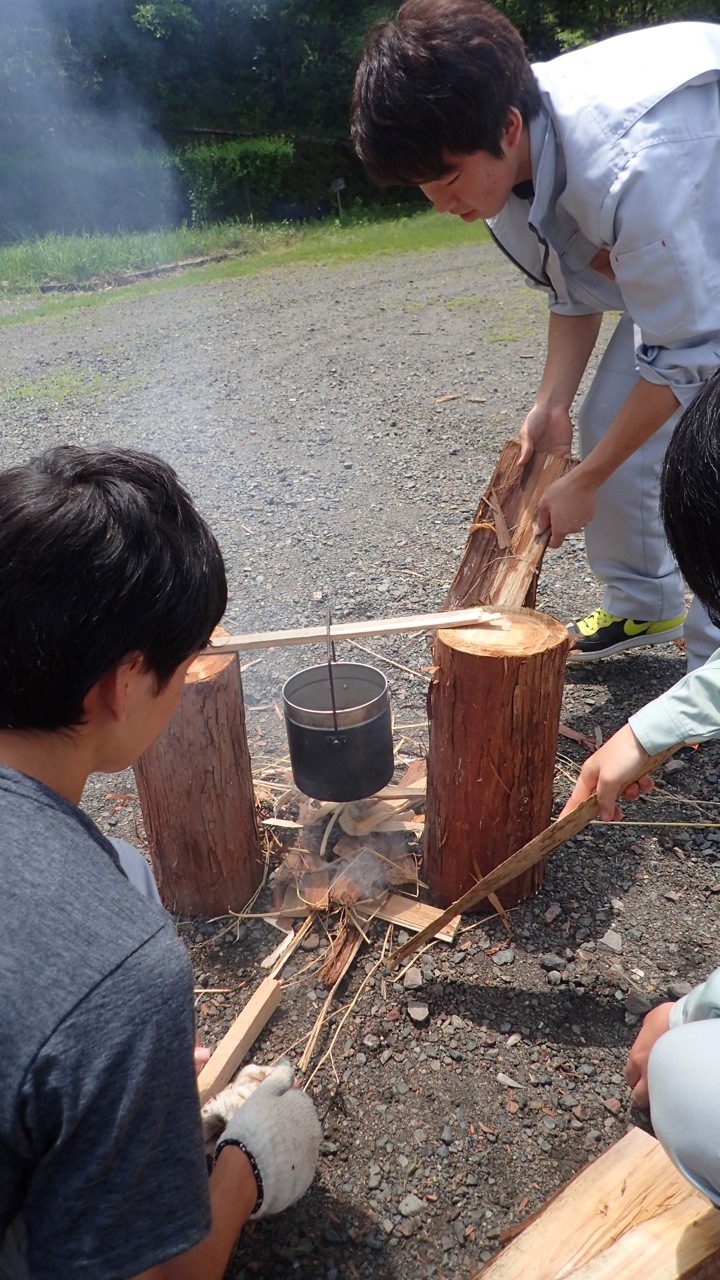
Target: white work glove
{"points": [[279, 1128]]}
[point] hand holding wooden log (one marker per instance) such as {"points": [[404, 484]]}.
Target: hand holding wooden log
{"points": [[564, 828]]}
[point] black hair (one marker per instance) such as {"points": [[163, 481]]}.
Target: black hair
{"points": [[690, 494], [440, 77], [102, 554]]}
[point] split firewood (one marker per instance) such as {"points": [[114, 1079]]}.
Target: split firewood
{"points": [[396, 908], [349, 952], [630, 1215], [502, 533], [507, 575], [534, 851], [341, 953]]}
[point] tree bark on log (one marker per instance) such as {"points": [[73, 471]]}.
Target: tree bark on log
{"points": [[494, 710], [196, 795], [502, 557]]}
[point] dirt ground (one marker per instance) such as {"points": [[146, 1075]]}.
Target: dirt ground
{"points": [[305, 410]]}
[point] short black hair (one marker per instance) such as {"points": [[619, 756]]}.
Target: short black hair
{"points": [[690, 495], [102, 554], [440, 77]]}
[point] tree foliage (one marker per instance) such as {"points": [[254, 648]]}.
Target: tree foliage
{"points": [[245, 65]]}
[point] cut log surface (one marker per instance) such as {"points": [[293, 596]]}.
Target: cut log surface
{"points": [[197, 798], [502, 557], [627, 1216], [494, 705]]}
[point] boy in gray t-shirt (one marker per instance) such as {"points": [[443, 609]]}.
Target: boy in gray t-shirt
{"points": [[111, 583]]}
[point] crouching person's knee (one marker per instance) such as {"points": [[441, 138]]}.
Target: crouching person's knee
{"points": [[683, 1076]]}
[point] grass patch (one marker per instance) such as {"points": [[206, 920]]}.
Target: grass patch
{"points": [[25, 267], [78, 385]]}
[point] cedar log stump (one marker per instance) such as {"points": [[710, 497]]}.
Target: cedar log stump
{"points": [[197, 799], [494, 712]]}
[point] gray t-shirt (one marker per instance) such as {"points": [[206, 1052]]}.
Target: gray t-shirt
{"points": [[100, 1141]]}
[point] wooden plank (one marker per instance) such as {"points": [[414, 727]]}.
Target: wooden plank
{"points": [[627, 1216], [397, 909], [243, 1033], [535, 850], [474, 617], [408, 913], [502, 557]]}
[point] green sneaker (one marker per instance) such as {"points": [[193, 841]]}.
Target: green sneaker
{"points": [[602, 633]]}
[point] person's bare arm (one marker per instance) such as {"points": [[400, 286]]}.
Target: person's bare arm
{"points": [[569, 504], [233, 1192], [570, 343]]}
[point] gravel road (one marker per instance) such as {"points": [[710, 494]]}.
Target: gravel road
{"points": [[306, 411]]}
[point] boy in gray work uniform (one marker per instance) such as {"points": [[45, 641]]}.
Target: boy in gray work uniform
{"points": [[111, 583], [598, 174], [674, 1064]]}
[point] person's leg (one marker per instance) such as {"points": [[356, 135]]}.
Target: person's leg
{"points": [[683, 1074], [137, 869], [13, 1253], [702, 637], [625, 541]]}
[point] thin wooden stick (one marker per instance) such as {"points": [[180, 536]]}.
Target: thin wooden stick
{"points": [[477, 617], [242, 1035], [322, 1016], [538, 848]]}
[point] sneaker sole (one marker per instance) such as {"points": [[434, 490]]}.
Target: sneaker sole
{"points": [[633, 642]]}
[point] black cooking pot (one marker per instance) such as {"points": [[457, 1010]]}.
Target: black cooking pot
{"points": [[339, 730]]}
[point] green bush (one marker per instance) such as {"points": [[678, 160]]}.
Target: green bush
{"points": [[234, 178]]}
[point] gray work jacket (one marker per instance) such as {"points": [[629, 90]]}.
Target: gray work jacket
{"points": [[626, 158]]}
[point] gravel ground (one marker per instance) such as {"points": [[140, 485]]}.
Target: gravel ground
{"points": [[303, 410]]}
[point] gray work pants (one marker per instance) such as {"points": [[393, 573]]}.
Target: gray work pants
{"points": [[683, 1079], [625, 542]]}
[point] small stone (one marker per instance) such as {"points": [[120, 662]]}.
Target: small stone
{"points": [[552, 961], [413, 979], [676, 990], [674, 766], [311, 942], [371, 1042], [613, 1105], [410, 1205], [552, 912], [507, 1081], [513, 1040], [407, 1228], [637, 1003], [612, 942], [417, 1011], [504, 957], [554, 978]]}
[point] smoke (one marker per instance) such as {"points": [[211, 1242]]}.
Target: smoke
{"points": [[78, 149]]}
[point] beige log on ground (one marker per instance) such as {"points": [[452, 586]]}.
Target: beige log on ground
{"points": [[494, 710], [502, 558], [197, 799], [627, 1216]]}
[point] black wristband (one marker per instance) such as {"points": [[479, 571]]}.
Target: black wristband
{"points": [[235, 1142]]}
